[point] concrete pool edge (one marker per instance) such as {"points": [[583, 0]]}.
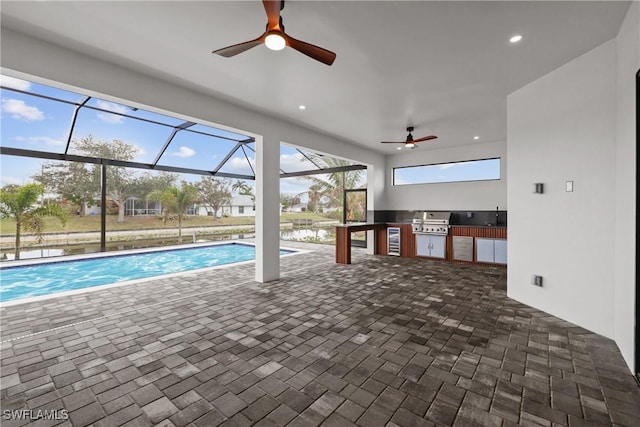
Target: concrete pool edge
{"points": [[69, 258]]}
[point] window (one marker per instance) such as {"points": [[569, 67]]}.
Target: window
{"points": [[470, 170], [240, 209]]}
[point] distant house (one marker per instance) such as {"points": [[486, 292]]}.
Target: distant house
{"points": [[241, 205], [298, 207]]}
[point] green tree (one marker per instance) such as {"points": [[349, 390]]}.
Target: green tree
{"points": [[314, 194], [176, 200], [120, 180], [20, 204], [73, 181], [146, 183], [80, 182], [244, 189], [286, 200], [332, 185], [214, 193]]}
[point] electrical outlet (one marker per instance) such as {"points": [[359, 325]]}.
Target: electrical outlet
{"points": [[536, 280]]}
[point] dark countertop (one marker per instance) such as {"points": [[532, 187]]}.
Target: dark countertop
{"points": [[361, 224], [454, 225], [479, 226]]}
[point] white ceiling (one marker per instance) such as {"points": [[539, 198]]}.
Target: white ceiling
{"points": [[444, 67]]}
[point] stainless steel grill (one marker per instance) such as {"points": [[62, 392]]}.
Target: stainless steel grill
{"points": [[431, 223]]}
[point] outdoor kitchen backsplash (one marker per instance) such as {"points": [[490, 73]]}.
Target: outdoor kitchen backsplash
{"points": [[479, 218]]}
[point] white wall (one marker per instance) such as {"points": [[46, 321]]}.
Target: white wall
{"points": [[563, 127], [454, 196], [628, 57]]}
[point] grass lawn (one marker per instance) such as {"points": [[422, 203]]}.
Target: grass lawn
{"points": [[92, 223]]}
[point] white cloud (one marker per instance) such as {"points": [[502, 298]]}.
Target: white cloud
{"points": [[239, 165], [40, 140], [448, 165], [46, 140], [294, 162], [141, 151], [113, 119], [18, 109], [184, 152], [10, 180], [14, 83]]}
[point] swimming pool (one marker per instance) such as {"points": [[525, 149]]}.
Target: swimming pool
{"points": [[18, 282]]}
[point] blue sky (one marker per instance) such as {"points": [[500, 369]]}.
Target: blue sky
{"points": [[36, 123], [476, 170]]}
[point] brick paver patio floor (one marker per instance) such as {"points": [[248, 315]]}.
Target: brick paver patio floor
{"points": [[383, 342]]}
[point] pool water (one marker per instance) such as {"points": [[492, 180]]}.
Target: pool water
{"points": [[48, 278]]}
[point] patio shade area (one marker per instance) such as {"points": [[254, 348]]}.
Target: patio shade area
{"points": [[385, 341]]}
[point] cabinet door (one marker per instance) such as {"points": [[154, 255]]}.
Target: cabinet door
{"points": [[438, 246], [423, 245], [484, 250], [500, 250]]}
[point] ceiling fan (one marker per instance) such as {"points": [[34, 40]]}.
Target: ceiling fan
{"points": [[410, 142], [276, 39]]}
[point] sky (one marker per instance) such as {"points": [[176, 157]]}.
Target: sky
{"points": [[475, 170], [36, 123]]}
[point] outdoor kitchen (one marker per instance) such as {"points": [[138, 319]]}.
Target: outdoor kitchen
{"points": [[453, 236]]}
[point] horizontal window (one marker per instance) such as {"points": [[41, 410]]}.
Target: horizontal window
{"points": [[471, 170]]}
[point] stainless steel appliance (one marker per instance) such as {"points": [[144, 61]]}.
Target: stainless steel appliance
{"points": [[431, 223], [431, 230], [393, 241]]}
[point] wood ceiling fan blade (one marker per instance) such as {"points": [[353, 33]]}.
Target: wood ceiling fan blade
{"points": [[319, 54], [392, 142], [235, 49], [272, 7], [426, 138]]}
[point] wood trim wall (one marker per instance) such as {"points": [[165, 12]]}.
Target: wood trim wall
{"points": [[381, 241], [488, 232]]}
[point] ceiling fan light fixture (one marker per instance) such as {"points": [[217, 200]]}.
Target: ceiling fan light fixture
{"points": [[275, 41], [409, 145]]}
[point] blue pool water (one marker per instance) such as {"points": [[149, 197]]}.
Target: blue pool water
{"points": [[44, 279]]}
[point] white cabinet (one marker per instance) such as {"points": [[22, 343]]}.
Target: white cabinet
{"points": [[500, 251], [491, 250], [431, 245]]}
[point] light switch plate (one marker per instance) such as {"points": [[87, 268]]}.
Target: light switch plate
{"points": [[569, 186]]}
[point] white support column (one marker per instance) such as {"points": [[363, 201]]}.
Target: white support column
{"points": [[375, 184], [267, 209]]}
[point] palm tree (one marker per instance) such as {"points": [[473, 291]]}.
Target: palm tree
{"points": [[176, 201], [333, 185], [19, 203], [242, 188], [314, 193]]}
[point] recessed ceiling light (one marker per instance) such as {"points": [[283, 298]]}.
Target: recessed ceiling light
{"points": [[476, 137], [302, 107], [399, 148], [516, 38]]}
